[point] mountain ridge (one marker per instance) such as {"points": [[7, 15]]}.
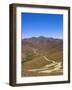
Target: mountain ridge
{"points": [[43, 45], [42, 37], [39, 53]]}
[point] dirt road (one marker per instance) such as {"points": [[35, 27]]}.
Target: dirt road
{"points": [[46, 69]]}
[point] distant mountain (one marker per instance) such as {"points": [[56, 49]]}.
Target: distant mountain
{"points": [[50, 47]]}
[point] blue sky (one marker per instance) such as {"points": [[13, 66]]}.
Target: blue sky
{"points": [[35, 25]]}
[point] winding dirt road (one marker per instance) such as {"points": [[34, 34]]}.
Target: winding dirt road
{"points": [[46, 69]]}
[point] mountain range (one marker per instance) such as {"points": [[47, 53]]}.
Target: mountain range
{"points": [[49, 46], [35, 48]]}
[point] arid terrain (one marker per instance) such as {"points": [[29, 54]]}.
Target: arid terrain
{"points": [[42, 56]]}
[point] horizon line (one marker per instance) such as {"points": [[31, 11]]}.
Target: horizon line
{"points": [[41, 36]]}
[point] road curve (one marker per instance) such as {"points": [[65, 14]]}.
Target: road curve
{"points": [[46, 68]]}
